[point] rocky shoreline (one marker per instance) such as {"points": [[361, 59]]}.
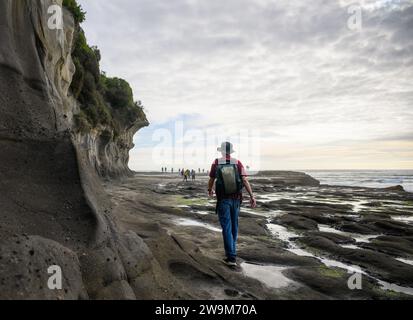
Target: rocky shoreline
{"points": [[304, 241], [150, 236]]}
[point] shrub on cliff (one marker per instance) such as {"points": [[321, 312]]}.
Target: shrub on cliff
{"points": [[103, 100], [78, 14], [117, 92]]}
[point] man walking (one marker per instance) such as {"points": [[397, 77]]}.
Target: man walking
{"points": [[229, 177]]}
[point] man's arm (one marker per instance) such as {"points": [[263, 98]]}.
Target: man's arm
{"points": [[211, 187], [247, 185]]}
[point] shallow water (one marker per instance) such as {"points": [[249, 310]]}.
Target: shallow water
{"points": [[337, 264], [406, 261], [271, 276], [394, 287], [405, 219], [284, 235], [192, 223], [255, 212], [326, 228], [350, 246], [281, 232], [301, 252], [202, 213], [356, 236]]}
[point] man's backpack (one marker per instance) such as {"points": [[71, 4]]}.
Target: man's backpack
{"points": [[229, 181]]}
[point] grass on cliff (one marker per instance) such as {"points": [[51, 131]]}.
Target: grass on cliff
{"points": [[78, 14], [104, 101]]}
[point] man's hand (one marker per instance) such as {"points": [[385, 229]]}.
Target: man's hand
{"points": [[211, 193], [253, 202]]}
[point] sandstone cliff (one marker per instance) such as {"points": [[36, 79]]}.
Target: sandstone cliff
{"points": [[53, 210]]}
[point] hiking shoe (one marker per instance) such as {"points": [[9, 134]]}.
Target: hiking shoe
{"points": [[230, 262]]}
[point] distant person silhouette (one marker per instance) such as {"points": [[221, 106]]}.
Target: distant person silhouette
{"points": [[187, 175]]}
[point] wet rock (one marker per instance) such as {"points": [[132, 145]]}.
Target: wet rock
{"points": [[289, 178], [334, 237], [393, 228], [375, 204], [209, 209], [376, 263], [332, 284], [274, 205], [395, 189], [259, 253], [355, 228], [320, 217], [319, 242], [391, 245], [297, 222], [254, 227]]}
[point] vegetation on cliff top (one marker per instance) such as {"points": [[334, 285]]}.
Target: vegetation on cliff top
{"points": [[76, 10], [104, 101]]}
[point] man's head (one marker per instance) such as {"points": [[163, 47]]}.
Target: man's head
{"points": [[226, 149]]}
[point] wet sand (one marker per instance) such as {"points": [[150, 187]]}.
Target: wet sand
{"points": [[304, 241]]}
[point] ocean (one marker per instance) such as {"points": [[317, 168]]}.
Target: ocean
{"points": [[361, 178]]}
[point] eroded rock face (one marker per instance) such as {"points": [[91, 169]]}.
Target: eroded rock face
{"points": [[53, 209], [23, 277], [107, 155], [36, 73]]}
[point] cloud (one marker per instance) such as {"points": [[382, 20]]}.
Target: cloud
{"points": [[293, 69]]}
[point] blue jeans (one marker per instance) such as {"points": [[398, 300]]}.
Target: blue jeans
{"points": [[228, 212]]}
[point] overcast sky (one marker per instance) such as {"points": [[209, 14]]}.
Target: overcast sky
{"points": [[302, 80]]}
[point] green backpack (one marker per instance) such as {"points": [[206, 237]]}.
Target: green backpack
{"points": [[229, 181]]}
